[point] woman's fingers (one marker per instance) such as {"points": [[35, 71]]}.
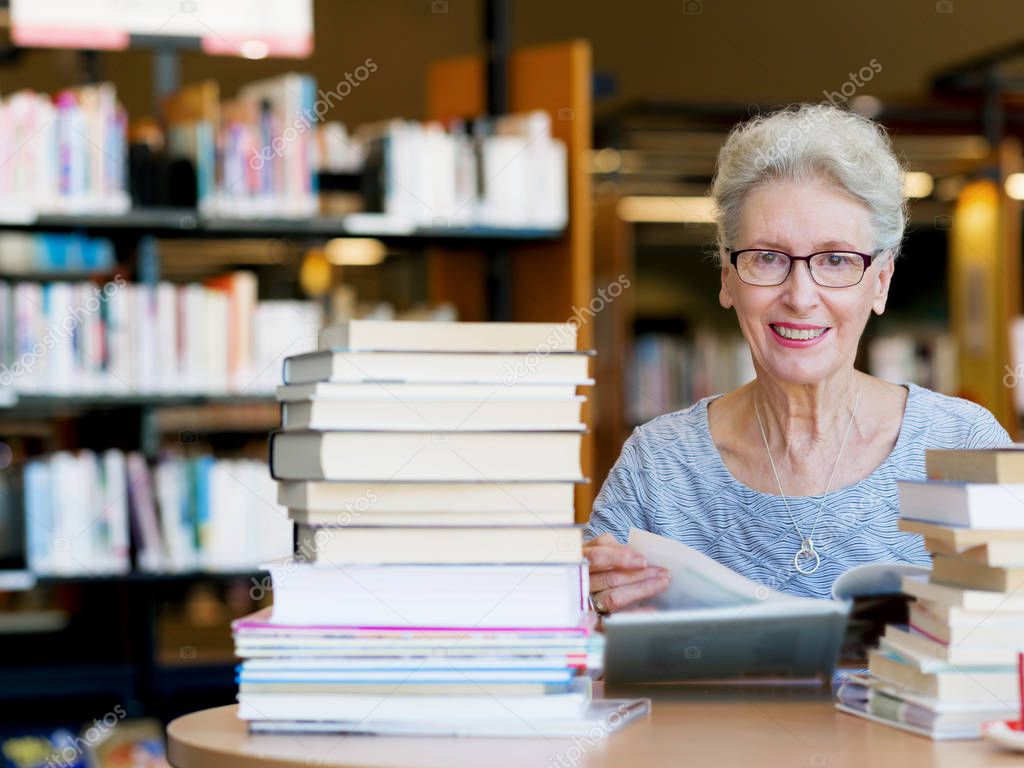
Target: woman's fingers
{"points": [[620, 578], [605, 553], [617, 598]]}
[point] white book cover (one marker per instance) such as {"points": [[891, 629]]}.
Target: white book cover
{"points": [[169, 376], [178, 531], [115, 510]]}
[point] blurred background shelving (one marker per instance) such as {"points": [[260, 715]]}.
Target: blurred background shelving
{"points": [[117, 619]]}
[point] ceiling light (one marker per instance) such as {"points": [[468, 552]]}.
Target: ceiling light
{"points": [[918, 184], [695, 210], [355, 251], [1014, 186]]}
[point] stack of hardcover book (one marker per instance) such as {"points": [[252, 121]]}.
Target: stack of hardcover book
{"points": [[439, 584], [953, 666]]}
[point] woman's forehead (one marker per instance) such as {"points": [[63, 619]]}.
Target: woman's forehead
{"points": [[782, 213]]}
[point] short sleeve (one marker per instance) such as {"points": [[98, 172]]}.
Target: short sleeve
{"points": [[987, 432], [617, 507]]}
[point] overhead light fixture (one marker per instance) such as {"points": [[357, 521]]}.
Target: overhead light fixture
{"points": [[607, 160], [918, 184], [255, 49], [355, 251], [1014, 186], [651, 208]]}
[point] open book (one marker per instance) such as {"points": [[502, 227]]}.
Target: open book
{"points": [[713, 623]]}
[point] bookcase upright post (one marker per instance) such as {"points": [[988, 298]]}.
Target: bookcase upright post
{"points": [[548, 281]]}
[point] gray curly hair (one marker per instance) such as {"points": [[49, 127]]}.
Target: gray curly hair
{"points": [[807, 141]]}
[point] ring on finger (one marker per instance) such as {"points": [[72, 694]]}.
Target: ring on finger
{"points": [[597, 606]]}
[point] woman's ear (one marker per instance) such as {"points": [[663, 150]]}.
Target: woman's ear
{"points": [[725, 294], [882, 286]]}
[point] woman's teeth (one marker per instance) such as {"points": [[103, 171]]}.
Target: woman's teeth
{"points": [[793, 333]]}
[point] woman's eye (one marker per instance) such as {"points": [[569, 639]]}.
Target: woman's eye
{"points": [[767, 257]]}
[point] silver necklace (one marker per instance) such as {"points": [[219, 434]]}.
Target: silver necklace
{"points": [[806, 551]]}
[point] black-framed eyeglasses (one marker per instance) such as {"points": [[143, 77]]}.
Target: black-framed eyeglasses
{"points": [[829, 269]]}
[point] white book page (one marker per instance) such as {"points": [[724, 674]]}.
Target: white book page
{"points": [[697, 580]]}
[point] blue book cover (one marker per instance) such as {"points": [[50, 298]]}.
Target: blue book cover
{"points": [[203, 465], [39, 523]]}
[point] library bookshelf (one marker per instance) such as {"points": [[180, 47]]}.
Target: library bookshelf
{"points": [[113, 621]]}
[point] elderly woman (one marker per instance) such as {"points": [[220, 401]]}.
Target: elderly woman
{"points": [[790, 479]]}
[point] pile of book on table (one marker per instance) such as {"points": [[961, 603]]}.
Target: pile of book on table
{"points": [[954, 666], [439, 584]]}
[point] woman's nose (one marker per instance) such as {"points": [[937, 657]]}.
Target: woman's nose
{"points": [[800, 289]]}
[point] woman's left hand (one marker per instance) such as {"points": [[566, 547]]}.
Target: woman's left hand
{"points": [[619, 576]]}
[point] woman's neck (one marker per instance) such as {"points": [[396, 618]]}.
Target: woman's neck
{"points": [[799, 416]]}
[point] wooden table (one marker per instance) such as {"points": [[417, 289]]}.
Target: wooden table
{"points": [[689, 726]]}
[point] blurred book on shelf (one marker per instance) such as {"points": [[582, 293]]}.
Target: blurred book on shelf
{"points": [[672, 372], [926, 358], [57, 252], [111, 741], [261, 155], [41, 747], [255, 155], [953, 665], [63, 153], [86, 513], [119, 338], [505, 172], [133, 741]]}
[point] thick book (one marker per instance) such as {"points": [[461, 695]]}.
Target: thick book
{"points": [[993, 465], [958, 571], [908, 641], [423, 456], [945, 681], [411, 392], [713, 623], [481, 495], [973, 505], [454, 367], [962, 597], [386, 708], [493, 413], [533, 595], [418, 644], [399, 686], [954, 615], [605, 715], [433, 544], [290, 680], [959, 539], [513, 518], [408, 336], [300, 670], [995, 553], [896, 711], [257, 638], [957, 629]]}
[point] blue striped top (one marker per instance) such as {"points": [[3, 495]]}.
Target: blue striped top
{"points": [[670, 479]]}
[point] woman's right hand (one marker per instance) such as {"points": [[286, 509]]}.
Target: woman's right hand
{"points": [[620, 576]]}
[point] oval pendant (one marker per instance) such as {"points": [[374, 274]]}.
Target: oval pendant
{"points": [[807, 553]]}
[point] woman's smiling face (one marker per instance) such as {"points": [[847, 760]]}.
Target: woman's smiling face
{"points": [[801, 218]]}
